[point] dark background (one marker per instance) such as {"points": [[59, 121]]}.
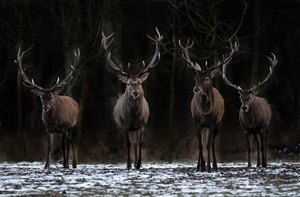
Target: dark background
{"points": [[54, 28]]}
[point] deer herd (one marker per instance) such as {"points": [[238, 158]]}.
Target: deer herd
{"points": [[60, 114]]}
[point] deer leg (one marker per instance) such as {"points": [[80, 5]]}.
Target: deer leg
{"points": [[213, 144], [248, 146], [68, 142], [128, 150], [140, 145], [207, 145], [74, 165], [63, 147], [201, 162], [49, 147], [263, 137], [258, 141]]}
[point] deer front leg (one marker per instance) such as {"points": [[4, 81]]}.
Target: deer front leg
{"points": [[49, 147], [258, 148], [213, 146], [128, 150], [201, 162], [248, 146], [208, 140], [140, 145], [263, 137]]}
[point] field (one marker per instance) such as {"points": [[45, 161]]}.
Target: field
{"points": [[153, 179]]}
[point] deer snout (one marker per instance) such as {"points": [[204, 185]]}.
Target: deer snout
{"points": [[135, 94], [196, 89], [244, 108], [46, 108]]}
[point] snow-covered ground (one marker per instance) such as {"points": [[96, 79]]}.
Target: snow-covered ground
{"points": [[154, 179]]}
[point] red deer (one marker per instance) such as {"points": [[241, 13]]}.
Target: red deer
{"points": [[207, 106], [255, 115], [59, 113], [131, 111]]}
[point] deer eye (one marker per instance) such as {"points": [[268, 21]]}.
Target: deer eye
{"points": [[52, 96]]}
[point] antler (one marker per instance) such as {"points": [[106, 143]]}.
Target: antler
{"points": [[26, 82], [106, 44], [69, 77], [156, 57], [59, 84], [273, 60], [186, 56], [238, 88], [234, 47]]}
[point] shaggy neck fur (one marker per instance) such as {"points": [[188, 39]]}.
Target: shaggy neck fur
{"points": [[205, 101]]}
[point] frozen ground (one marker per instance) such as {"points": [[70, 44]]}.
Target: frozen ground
{"points": [[154, 179]]}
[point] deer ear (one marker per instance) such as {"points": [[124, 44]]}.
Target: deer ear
{"points": [[144, 77], [36, 92], [123, 78]]}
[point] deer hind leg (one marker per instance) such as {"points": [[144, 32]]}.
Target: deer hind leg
{"points": [[63, 148], [201, 162], [140, 139], [258, 148], [49, 147], [248, 146], [263, 137], [213, 146], [74, 163], [68, 143]]}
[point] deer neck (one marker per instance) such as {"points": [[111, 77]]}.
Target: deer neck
{"points": [[134, 106], [205, 101], [49, 117]]}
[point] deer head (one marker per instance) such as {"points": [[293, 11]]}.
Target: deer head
{"points": [[203, 79], [247, 97], [133, 81], [47, 95]]}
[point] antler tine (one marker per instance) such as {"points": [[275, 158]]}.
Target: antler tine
{"points": [[273, 60], [156, 57], [238, 88], [105, 46], [69, 77], [104, 40], [26, 82], [227, 59], [185, 54]]}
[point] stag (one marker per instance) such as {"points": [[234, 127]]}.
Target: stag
{"points": [[207, 106], [131, 111], [255, 115], [59, 113]]}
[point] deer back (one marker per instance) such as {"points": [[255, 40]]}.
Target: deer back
{"points": [[214, 116], [62, 114], [258, 115]]}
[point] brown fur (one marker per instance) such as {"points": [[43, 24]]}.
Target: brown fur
{"points": [[61, 117], [256, 122], [131, 115], [207, 120]]}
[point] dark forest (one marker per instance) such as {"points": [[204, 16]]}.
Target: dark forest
{"points": [[52, 29]]}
